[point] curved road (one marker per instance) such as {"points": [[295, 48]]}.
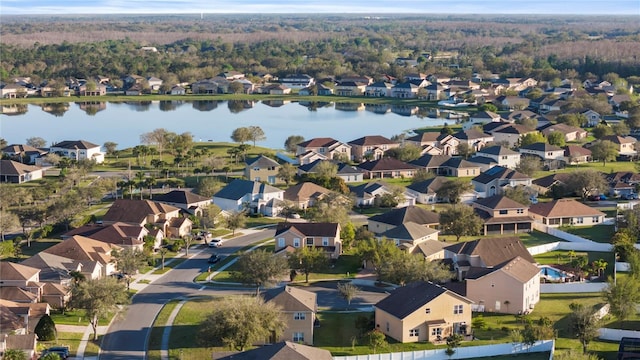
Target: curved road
{"points": [[128, 334]]}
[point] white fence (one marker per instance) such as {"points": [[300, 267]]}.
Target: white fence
{"points": [[461, 352], [576, 246], [574, 287], [617, 334]]}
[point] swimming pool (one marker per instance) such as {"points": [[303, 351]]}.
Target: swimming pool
{"points": [[553, 274]]}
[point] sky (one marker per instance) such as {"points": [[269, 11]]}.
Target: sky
{"points": [[583, 7]]}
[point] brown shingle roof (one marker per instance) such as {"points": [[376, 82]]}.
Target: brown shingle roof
{"points": [[118, 233], [291, 298], [21, 342], [575, 150], [371, 140], [13, 271], [499, 202], [10, 167], [493, 251], [318, 142], [305, 191], [518, 268], [135, 211], [17, 294], [282, 351], [406, 214], [563, 208], [405, 300], [83, 248], [181, 197], [386, 164]]}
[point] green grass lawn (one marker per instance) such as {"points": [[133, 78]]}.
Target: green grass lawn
{"points": [[155, 338], [72, 340], [260, 221], [93, 346], [75, 317], [533, 238], [561, 257], [183, 342], [598, 233]]}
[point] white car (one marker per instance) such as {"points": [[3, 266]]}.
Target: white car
{"points": [[215, 243]]}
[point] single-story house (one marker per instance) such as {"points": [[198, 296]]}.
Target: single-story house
{"points": [[566, 212]]}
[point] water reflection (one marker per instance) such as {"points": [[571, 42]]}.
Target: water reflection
{"points": [[315, 105], [404, 110], [14, 109], [236, 106], [140, 106], [275, 103], [55, 109], [205, 105], [92, 107], [170, 105], [377, 108], [349, 106]]}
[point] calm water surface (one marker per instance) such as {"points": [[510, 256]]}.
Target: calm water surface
{"points": [[206, 120]]}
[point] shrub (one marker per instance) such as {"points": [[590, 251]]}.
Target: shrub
{"points": [[45, 329]]}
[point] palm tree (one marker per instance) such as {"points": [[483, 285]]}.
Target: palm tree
{"points": [[149, 182], [140, 178], [600, 265], [163, 253]]}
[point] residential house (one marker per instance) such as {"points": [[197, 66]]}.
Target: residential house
{"points": [[387, 168], [120, 234], [232, 75], [297, 81], [346, 172], [511, 134], [424, 139], [622, 183], [247, 86], [485, 253], [310, 157], [593, 118], [552, 105], [134, 90], [566, 212], [406, 90], [85, 249], [552, 156], [574, 154], [18, 173], [177, 90], [350, 88], [51, 90], [431, 250], [492, 181], [325, 236], [459, 167], [378, 89], [423, 311], [624, 144], [58, 269], [22, 153], [381, 223], [206, 87], [617, 100], [545, 184], [98, 90], [262, 168], [20, 280], [503, 156], [426, 192], [512, 287], [370, 147], [188, 201], [432, 163], [285, 350], [369, 193], [305, 194], [26, 343], [257, 197], [502, 215], [435, 91], [474, 138], [13, 91], [298, 308], [328, 147], [78, 150], [511, 102], [481, 118], [409, 235], [149, 213], [571, 133], [520, 115]]}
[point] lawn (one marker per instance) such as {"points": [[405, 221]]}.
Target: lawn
{"points": [[598, 233], [260, 221], [530, 239], [72, 340], [155, 338], [183, 342], [75, 317], [562, 258]]}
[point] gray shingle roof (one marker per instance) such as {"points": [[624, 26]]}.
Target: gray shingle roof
{"points": [[404, 300], [239, 188], [407, 214]]}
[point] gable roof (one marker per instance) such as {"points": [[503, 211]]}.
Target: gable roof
{"points": [[518, 268], [493, 251], [458, 163], [318, 142], [499, 202], [180, 197], [371, 140], [430, 161], [52, 267], [285, 350], [563, 208], [83, 248], [620, 139], [497, 150], [407, 214], [429, 186], [499, 172], [563, 128], [514, 129], [309, 229], [409, 231], [19, 149], [405, 300], [541, 146], [75, 144], [135, 211], [549, 180], [305, 191], [117, 233], [10, 167], [470, 134], [13, 271], [291, 298], [262, 161], [238, 188], [385, 164], [489, 115], [576, 150], [429, 247], [10, 321], [427, 136]]}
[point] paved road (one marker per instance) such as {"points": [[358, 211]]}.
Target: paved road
{"points": [[128, 334]]}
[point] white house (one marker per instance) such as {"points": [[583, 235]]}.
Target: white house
{"points": [[257, 197], [297, 81], [503, 156], [78, 150]]}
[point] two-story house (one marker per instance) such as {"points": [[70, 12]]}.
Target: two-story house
{"points": [[378, 89], [188, 201], [511, 134], [370, 147], [327, 147], [350, 88], [493, 181], [262, 168], [254, 196], [165, 217], [82, 249], [297, 81], [474, 138], [78, 150], [502, 215], [626, 145], [552, 156], [298, 308], [503, 156], [325, 236], [406, 90], [305, 194], [369, 193], [566, 212], [423, 311], [381, 223]]}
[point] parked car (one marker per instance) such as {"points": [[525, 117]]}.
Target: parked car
{"points": [[629, 196], [215, 243], [62, 351], [295, 216], [214, 259], [597, 197]]}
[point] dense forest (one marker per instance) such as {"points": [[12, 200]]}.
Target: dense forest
{"points": [[191, 47]]}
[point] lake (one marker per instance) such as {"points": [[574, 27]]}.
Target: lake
{"points": [[124, 122]]}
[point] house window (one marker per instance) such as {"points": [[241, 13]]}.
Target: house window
{"points": [[256, 168], [595, 219], [457, 309], [309, 241], [414, 332], [296, 242], [298, 337], [504, 158], [299, 316], [325, 241], [520, 211], [436, 331], [503, 212], [427, 311], [280, 242], [579, 220], [388, 326]]}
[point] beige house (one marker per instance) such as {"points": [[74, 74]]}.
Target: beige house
{"points": [[387, 167], [409, 235], [503, 156], [84, 249], [370, 147], [262, 168], [305, 194], [147, 212], [624, 144], [185, 200], [285, 350], [571, 133], [512, 287], [423, 311], [320, 235], [18, 173], [299, 309], [328, 147], [502, 215], [381, 223], [566, 212]]}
